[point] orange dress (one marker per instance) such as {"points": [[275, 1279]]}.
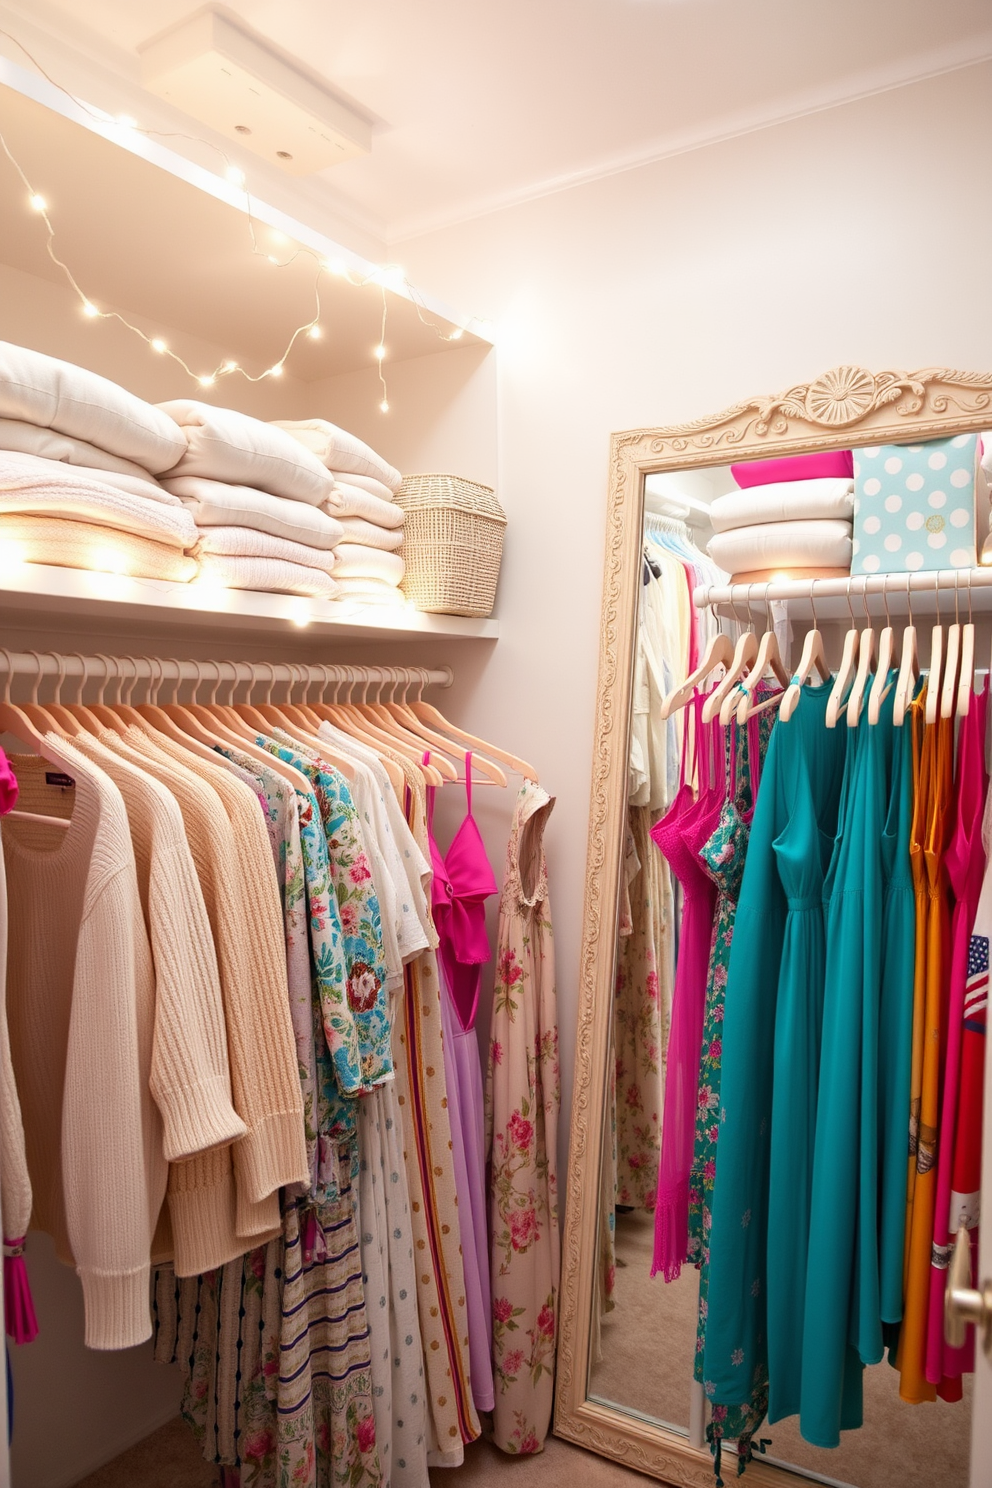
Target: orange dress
{"points": [[932, 987]]}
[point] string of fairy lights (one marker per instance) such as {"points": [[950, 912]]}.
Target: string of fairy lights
{"points": [[384, 277]]}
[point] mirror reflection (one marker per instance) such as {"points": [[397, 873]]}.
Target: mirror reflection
{"points": [[793, 1131]]}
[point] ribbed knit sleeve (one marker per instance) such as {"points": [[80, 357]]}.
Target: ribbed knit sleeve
{"points": [[190, 1075], [113, 1186]]}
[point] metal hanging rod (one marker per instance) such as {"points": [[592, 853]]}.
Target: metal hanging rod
{"points": [[858, 586], [228, 673]]}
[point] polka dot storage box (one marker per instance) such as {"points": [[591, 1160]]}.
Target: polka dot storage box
{"points": [[914, 506]]}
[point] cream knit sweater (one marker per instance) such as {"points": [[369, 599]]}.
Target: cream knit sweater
{"points": [[190, 1075], [213, 1218], [80, 990]]}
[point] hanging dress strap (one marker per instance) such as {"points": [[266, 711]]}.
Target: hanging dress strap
{"points": [[468, 783], [430, 797]]}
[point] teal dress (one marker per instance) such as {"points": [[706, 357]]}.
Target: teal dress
{"points": [[771, 1050], [841, 1327]]}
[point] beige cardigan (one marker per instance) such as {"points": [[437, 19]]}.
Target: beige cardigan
{"points": [[80, 996]]}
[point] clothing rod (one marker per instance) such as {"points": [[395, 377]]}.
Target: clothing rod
{"points": [[959, 580], [168, 669]]}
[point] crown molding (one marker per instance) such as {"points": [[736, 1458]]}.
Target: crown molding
{"points": [[903, 73]]}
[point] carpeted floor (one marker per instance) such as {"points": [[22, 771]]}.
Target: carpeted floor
{"points": [[648, 1347], [170, 1458]]}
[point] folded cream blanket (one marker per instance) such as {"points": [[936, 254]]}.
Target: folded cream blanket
{"points": [[217, 504], [357, 530], [363, 482], [71, 544], [354, 561], [369, 591], [348, 500], [228, 446], [269, 575], [246, 542], [339, 450], [136, 484], [786, 501], [783, 545], [39, 389], [66, 494], [34, 439]]}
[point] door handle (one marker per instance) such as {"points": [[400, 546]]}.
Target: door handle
{"points": [[962, 1303]]}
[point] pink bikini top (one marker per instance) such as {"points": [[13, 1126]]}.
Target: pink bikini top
{"points": [[463, 881]]}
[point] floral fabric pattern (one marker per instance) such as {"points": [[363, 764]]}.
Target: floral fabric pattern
{"points": [[641, 1015], [522, 1101], [723, 856], [356, 908]]}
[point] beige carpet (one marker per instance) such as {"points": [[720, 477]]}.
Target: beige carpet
{"points": [[170, 1458], [648, 1346]]}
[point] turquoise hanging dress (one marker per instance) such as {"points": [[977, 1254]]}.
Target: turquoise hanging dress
{"points": [[771, 1049], [841, 1328]]}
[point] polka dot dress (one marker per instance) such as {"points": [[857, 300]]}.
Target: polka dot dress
{"points": [[914, 506]]}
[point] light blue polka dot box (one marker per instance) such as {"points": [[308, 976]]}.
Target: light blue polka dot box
{"points": [[914, 506]]}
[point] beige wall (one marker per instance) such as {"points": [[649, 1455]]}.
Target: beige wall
{"points": [[664, 293], [860, 234]]}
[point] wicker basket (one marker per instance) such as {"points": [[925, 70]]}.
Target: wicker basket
{"points": [[452, 544]]}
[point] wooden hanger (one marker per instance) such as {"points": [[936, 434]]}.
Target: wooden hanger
{"points": [[935, 674], [909, 664], [302, 725], [423, 734], [957, 681], [211, 726], [378, 714], [14, 720], [769, 658], [866, 662], [886, 656], [42, 717], [813, 658], [429, 714], [745, 653], [322, 713], [719, 652], [847, 668], [966, 681]]}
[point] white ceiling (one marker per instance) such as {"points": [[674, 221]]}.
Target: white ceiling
{"points": [[480, 103]]}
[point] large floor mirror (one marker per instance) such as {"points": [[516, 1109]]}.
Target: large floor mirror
{"points": [[630, 1377]]}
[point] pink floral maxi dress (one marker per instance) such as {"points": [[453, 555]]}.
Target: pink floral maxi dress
{"points": [[522, 1099]]}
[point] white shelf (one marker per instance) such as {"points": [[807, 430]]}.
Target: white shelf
{"points": [[967, 591], [66, 592]]}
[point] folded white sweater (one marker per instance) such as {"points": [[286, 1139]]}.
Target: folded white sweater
{"points": [[65, 494], [355, 561], [348, 500], [217, 504], [357, 530], [368, 591], [246, 542], [785, 501], [783, 545], [362, 483], [134, 481], [270, 575]]}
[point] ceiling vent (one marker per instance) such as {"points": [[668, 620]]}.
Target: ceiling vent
{"points": [[231, 81]]}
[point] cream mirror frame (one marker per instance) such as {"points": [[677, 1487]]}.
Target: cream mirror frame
{"points": [[846, 406]]}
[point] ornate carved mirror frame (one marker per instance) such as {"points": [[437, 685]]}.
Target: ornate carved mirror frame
{"points": [[847, 405]]}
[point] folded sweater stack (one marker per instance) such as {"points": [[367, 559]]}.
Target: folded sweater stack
{"points": [[368, 566], [261, 502], [791, 516], [78, 460]]}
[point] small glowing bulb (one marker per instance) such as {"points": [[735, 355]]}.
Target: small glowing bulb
{"points": [[235, 176], [39, 203], [335, 266], [315, 333], [279, 238], [206, 381], [276, 371], [90, 310], [456, 334], [126, 121], [12, 554], [230, 367], [380, 352], [159, 345], [272, 258], [384, 406], [110, 560]]}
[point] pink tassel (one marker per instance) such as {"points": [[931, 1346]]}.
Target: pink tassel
{"points": [[22, 1325]]}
